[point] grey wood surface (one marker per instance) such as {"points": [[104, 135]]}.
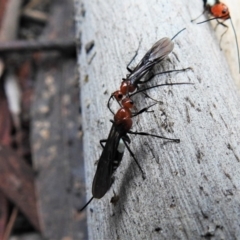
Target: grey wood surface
{"points": [[192, 188]]}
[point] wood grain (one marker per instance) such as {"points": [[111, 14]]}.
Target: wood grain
{"points": [[192, 188]]}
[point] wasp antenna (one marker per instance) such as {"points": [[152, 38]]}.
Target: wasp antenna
{"points": [[198, 16], [236, 43], [208, 20], [178, 33], [86, 205]]}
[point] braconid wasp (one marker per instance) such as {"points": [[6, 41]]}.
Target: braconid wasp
{"points": [[118, 138], [157, 53], [116, 142], [220, 13]]}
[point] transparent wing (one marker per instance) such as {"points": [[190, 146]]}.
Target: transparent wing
{"points": [[161, 49]]}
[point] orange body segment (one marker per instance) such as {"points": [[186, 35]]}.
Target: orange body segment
{"points": [[220, 10]]}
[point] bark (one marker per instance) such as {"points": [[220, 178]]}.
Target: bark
{"points": [[192, 188]]}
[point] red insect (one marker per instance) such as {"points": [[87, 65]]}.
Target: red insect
{"points": [[219, 11], [155, 55], [113, 150], [116, 142]]}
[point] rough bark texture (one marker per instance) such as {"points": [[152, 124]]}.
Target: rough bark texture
{"points": [[192, 188]]}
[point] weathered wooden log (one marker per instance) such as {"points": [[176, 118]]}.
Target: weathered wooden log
{"points": [[20, 46], [192, 188]]}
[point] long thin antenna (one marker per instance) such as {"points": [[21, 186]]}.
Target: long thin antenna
{"points": [[193, 20], [210, 19], [236, 43], [178, 33]]}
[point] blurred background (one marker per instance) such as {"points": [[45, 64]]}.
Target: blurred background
{"points": [[41, 163], [41, 176]]}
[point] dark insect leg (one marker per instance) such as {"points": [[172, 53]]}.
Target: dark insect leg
{"points": [[160, 85], [146, 95], [234, 31], [221, 23], [136, 53], [169, 71], [126, 138], [143, 110], [86, 205], [218, 23], [198, 16], [133, 156], [153, 135], [108, 104], [225, 26]]}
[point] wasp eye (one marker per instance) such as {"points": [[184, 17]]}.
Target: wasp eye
{"points": [[119, 97]]}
